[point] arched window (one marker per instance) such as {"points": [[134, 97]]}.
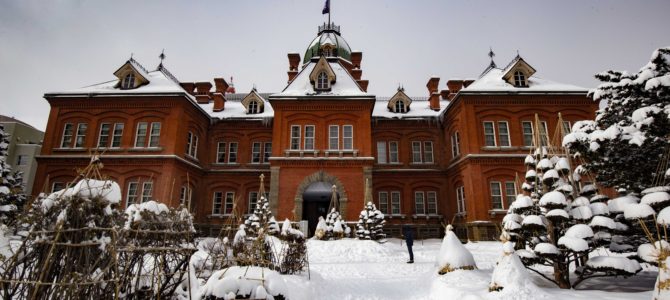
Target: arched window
{"points": [[322, 81], [128, 81], [400, 106], [253, 107], [327, 52], [519, 79]]}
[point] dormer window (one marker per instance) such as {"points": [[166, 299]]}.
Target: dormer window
{"points": [[400, 107], [322, 81], [400, 102], [253, 103], [253, 107], [128, 82], [519, 79]]}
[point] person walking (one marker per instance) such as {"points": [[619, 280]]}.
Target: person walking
{"points": [[409, 240]]}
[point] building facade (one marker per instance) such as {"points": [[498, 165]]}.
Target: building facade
{"points": [[25, 143], [451, 156]]}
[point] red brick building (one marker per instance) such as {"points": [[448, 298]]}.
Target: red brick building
{"points": [[449, 157]]}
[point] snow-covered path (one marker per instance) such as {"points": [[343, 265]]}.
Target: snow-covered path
{"points": [[352, 269]]}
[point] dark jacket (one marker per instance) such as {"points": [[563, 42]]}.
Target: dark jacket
{"points": [[409, 235]]}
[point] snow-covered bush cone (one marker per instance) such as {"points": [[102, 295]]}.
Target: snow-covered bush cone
{"points": [[245, 283], [623, 145], [657, 252], [321, 229], [156, 245], [334, 225], [509, 274], [261, 218], [370, 224], [453, 255], [294, 258], [71, 244], [12, 197], [556, 224]]}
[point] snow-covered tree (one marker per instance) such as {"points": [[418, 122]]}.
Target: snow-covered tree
{"points": [[453, 255], [370, 224], [509, 274], [261, 218], [334, 225], [12, 197], [623, 145]]}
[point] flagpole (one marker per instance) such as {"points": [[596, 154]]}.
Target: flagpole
{"points": [[328, 14]]}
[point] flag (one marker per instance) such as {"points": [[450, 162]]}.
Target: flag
{"points": [[326, 8]]}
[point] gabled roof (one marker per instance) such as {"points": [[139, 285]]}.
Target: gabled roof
{"points": [[135, 66], [253, 96], [518, 63], [399, 95], [301, 85], [322, 65], [235, 110]]}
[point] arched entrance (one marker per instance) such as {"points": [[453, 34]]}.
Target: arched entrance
{"points": [[313, 198]]}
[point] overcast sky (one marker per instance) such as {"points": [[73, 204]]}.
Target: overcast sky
{"points": [[58, 45]]}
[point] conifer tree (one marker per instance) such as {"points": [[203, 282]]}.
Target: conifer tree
{"points": [[370, 223], [12, 197], [261, 218]]}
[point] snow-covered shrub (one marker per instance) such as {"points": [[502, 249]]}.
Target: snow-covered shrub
{"points": [[261, 219], [370, 224], [625, 142], [245, 283], [334, 225], [509, 273], [12, 197], [294, 258], [453, 255]]}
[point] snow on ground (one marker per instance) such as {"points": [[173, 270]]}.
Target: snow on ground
{"points": [[353, 269]]}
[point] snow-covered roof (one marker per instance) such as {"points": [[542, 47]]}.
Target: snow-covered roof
{"points": [[301, 85], [419, 109], [233, 109], [492, 81]]}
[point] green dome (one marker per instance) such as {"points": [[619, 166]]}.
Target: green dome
{"points": [[328, 34]]}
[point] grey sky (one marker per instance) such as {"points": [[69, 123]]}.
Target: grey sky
{"points": [[58, 45]]}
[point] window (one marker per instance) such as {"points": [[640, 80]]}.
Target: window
{"points": [[455, 144], [57, 186], [256, 153], [489, 135], [141, 134], [147, 189], [384, 202], [267, 152], [428, 152], [185, 195], [503, 134], [419, 204], [295, 137], [395, 203], [460, 199], [322, 81], [116, 135], [221, 152], [232, 152], [416, 152], [217, 202], [333, 137], [80, 138], [431, 203], [544, 137], [22, 160], [496, 195], [510, 191], [527, 127], [191, 145], [253, 107], [393, 152], [66, 141], [103, 136], [155, 134], [309, 137], [348, 137], [566, 128], [230, 197], [128, 81], [134, 191], [519, 79], [253, 199], [400, 107], [381, 152]]}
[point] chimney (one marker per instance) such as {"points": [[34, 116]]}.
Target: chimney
{"points": [[220, 85], [356, 58], [434, 95], [202, 92], [356, 73], [444, 94], [293, 63], [363, 84], [188, 86], [219, 101], [467, 82], [454, 86]]}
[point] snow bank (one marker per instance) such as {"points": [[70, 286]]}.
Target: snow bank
{"points": [[251, 282], [453, 255]]}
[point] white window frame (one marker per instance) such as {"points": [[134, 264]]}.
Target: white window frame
{"points": [[544, 136], [130, 195], [334, 137], [253, 107], [217, 203], [527, 135], [455, 144], [294, 142], [117, 135], [394, 204], [105, 136], [221, 152], [66, 139], [400, 106], [419, 203], [567, 127], [252, 204], [147, 191], [416, 152], [80, 133], [256, 153], [505, 135], [393, 157], [510, 197], [322, 82], [493, 196], [460, 199], [348, 137], [381, 152], [428, 151], [267, 152], [154, 137], [189, 140], [141, 137], [229, 205], [384, 202], [431, 200], [308, 143], [520, 79], [185, 195], [232, 155], [128, 81], [491, 134]]}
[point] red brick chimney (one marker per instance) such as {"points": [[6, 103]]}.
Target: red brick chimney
{"points": [[356, 58], [188, 86], [444, 94], [219, 101], [434, 95], [356, 73], [363, 84], [467, 82], [202, 92], [293, 63], [220, 85], [454, 86]]}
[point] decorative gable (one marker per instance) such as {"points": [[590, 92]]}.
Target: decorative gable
{"points": [[253, 102], [131, 75], [322, 76], [400, 102], [517, 72]]}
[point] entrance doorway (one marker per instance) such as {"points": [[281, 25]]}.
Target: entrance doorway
{"points": [[316, 200]]}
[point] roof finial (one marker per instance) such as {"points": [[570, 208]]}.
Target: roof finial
{"points": [[517, 52], [231, 81], [162, 55], [254, 88], [492, 55], [131, 56]]}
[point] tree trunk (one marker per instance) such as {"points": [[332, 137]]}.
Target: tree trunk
{"points": [[562, 275]]}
